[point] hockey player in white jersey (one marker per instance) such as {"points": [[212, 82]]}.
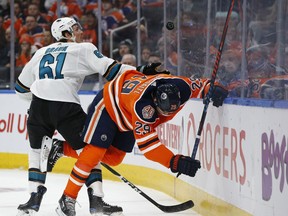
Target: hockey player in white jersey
{"points": [[51, 80]]}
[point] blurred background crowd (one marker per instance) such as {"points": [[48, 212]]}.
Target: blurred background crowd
{"points": [[254, 61]]}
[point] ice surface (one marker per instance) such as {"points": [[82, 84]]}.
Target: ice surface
{"points": [[14, 184]]}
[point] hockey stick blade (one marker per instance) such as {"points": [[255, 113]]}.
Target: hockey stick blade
{"points": [[167, 209]]}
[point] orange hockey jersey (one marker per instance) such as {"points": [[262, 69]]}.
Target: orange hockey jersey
{"points": [[129, 103]]}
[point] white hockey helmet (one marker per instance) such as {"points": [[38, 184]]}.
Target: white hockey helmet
{"points": [[63, 24]]}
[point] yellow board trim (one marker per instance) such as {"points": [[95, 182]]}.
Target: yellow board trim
{"points": [[205, 204]]}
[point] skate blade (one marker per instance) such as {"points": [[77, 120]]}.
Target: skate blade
{"points": [[113, 214], [26, 213], [97, 214], [59, 211], [117, 214]]}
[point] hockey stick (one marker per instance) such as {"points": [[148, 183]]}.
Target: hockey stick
{"points": [[212, 81], [168, 209]]}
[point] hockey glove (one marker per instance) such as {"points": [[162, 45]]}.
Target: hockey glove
{"points": [[219, 93], [151, 69], [184, 164]]}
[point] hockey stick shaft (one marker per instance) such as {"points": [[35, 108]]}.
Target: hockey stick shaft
{"points": [[212, 81], [168, 209]]}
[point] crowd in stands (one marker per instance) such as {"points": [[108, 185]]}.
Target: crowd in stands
{"points": [[258, 78]]}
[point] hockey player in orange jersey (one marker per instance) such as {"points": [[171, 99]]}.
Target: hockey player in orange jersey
{"points": [[129, 109]]}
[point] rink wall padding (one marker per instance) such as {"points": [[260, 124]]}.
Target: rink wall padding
{"points": [[243, 153]]}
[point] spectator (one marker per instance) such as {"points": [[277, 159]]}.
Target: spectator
{"points": [[172, 55], [41, 5], [18, 11], [25, 52], [48, 4], [4, 54], [68, 8], [230, 67], [125, 47], [128, 9], [259, 68], [262, 29], [152, 11], [5, 47], [1, 21], [129, 59], [229, 73], [258, 64], [144, 37], [145, 55], [111, 16], [120, 4], [154, 57], [17, 25], [275, 88], [4, 8], [18, 19], [152, 3], [91, 5], [233, 32], [32, 28], [47, 38], [193, 42], [24, 6], [90, 28], [34, 10]]}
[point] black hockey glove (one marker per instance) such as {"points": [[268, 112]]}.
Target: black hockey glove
{"points": [[219, 93], [184, 164], [151, 69]]}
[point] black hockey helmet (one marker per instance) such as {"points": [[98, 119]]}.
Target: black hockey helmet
{"points": [[167, 97]]}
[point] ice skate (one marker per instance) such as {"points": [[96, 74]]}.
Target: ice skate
{"points": [[33, 204], [51, 151], [98, 207], [66, 206]]}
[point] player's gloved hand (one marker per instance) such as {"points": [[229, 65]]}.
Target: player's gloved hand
{"points": [[151, 69], [219, 93], [184, 164]]}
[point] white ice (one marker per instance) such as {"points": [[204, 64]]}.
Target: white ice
{"points": [[14, 184]]}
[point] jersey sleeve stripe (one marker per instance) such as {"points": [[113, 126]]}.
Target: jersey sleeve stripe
{"points": [[111, 96], [151, 148], [117, 102], [94, 120], [21, 88], [112, 71], [147, 137], [147, 143], [119, 117]]}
